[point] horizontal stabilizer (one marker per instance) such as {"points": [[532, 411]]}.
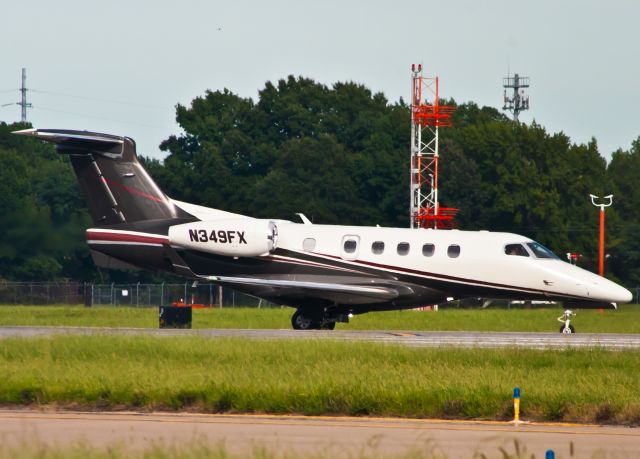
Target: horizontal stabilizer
{"points": [[83, 140]]}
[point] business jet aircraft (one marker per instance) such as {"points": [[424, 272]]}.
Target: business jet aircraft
{"points": [[327, 272]]}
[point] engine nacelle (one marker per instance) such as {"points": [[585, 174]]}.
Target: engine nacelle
{"points": [[245, 237]]}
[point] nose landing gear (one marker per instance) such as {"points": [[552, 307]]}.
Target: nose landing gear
{"points": [[565, 319]]}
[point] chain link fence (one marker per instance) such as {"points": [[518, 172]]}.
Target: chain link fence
{"points": [[144, 295], [134, 295]]}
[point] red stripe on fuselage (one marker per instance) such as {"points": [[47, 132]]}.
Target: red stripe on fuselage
{"points": [[444, 277]]}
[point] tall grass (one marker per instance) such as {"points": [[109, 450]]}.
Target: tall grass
{"points": [[625, 320], [318, 377]]}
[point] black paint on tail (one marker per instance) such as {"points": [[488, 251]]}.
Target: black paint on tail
{"points": [[116, 186]]}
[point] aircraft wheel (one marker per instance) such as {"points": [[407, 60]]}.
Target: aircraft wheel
{"points": [[328, 326], [570, 330], [300, 321]]}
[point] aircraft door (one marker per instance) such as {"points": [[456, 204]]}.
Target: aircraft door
{"points": [[350, 247]]}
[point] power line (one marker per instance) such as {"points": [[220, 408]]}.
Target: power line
{"points": [[556, 229], [97, 99], [84, 115]]}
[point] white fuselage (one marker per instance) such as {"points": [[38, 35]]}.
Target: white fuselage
{"points": [[481, 258], [465, 258]]}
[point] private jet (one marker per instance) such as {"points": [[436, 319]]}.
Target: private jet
{"points": [[326, 272]]}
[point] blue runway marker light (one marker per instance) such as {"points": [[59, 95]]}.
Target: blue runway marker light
{"points": [[550, 454], [516, 392]]}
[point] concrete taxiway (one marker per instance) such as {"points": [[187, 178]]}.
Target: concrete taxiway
{"points": [[408, 338], [331, 437]]}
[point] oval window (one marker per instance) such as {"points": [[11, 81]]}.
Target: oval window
{"points": [[403, 248], [350, 246], [309, 244], [377, 247], [453, 251], [428, 250]]}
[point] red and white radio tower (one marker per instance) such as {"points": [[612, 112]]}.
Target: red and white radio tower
{"points": [[427, 115]]}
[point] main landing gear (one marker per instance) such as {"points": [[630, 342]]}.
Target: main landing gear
{"points": [[565, 319], [312, 320]]}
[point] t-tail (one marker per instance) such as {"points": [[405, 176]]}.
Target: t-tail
{"points": [[115, 185]]}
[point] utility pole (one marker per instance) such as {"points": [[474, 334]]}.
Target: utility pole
{"points": [[23, 101], [23, 91], [518, 101], [601, 247]]}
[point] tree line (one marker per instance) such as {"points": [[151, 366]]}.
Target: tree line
{"points": [[340, 154]]}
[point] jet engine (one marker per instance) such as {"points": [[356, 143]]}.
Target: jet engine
{"points": [[238, 237]]}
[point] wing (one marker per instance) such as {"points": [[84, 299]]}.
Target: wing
{"points": [[290, 289], [339, 293]]}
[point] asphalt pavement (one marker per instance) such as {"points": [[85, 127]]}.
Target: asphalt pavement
{"points": [[304, 436], [406, 338]]}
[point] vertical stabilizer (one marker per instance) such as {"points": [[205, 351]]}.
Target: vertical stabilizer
{"points": [[116, 186]]}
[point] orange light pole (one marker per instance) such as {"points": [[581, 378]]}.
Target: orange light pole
{"points": [[601, 248]]}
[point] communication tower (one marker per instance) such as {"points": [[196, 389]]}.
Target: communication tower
{"points": [[519, 101], [427, 115]]}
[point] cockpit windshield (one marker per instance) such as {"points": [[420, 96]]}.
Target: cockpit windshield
{"points": [[516, 249], [541, 251]]}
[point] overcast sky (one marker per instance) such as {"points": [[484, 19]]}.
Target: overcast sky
{"points": [[141, 57]]}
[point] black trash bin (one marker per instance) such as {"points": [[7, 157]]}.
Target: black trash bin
{"points": [[175, 317]]}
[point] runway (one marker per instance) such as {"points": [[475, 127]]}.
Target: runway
{"points": [[332, 437], [406, 338]]}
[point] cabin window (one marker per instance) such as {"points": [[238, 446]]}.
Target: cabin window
{"points": [[516, 249], [309, 244], [403, 248], [350, 245], [453, 251], [428, 250], [377, 247], [541, 251]]}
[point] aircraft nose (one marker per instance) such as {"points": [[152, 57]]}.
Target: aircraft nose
{"points": [[613, 292], [601, 289], [623, 295]]}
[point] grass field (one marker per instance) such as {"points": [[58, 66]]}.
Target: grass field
{"points": [[625, 320], [318, 377]]}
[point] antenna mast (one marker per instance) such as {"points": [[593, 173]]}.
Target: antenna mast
{"points": [[518, 101], [427, 115]]}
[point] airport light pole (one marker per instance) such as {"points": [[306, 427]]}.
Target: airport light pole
{"points": [[601, 249]]}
